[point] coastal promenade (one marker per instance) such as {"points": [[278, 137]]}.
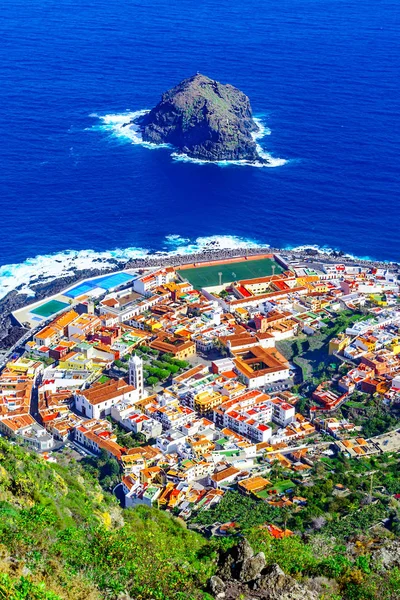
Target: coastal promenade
{"points": [[213, 255]]}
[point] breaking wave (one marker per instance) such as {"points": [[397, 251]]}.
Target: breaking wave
{"points": [[121, 126], [180, 245], [48, 267], [328, 251]]}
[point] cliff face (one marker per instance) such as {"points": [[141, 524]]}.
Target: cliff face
{"points": [[204, 119]]}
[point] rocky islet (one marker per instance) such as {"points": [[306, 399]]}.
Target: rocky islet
{"points": [[204, 119]]}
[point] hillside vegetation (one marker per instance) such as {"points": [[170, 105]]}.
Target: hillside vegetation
{"points": [[63, 538]]}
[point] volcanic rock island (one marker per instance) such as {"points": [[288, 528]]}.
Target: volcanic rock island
{"points": [[203, 119]]}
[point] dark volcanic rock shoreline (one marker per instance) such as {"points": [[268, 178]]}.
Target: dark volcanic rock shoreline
{"points": [[9, 332], [204, 119]]}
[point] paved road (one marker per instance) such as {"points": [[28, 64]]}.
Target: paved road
{"points": [[21, 342], [34, 409], [279, 386]]}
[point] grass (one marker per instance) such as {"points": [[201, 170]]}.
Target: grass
{"points": [[49, 308], [282, 486], [354, 404], [263, 494], [248, 269]]}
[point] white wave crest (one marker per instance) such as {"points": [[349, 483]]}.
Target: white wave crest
{"points": [[328, 251], [121, 126], [263, 130], [48, 267], [175, 239], [213, 242]]}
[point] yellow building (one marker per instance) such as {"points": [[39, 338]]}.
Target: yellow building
{"points": [[318, 286], [305, 280], [200, 445], [338, 343], [25, 366], [207, 401], [395, 346], [242, 313], [79, 362], [378, 299], [165, 495], [369, 343], [152, 324], [151, 475]]}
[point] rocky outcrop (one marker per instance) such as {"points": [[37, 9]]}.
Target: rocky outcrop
{"points": [[203, 119], [244, 575], [252, 567], [388, 557]]}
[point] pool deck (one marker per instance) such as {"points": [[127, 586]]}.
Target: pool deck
{"points": [[26, 314]]}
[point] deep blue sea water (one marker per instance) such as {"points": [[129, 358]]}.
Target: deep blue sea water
{"points": [[322, 74]]}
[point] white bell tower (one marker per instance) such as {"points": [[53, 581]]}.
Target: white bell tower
{"points": [[136, 374]]}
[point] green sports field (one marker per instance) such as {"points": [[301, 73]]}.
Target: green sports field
{"points": [[49, 308], [201, 277]]}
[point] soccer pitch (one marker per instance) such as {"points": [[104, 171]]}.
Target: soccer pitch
{"points": [[201, 277]]}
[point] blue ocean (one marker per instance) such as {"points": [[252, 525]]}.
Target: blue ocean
{"points": [[75, 190]]}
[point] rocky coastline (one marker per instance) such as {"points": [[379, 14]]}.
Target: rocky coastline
{"points": [[10, 333]]}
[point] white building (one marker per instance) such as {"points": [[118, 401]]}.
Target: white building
{"points": [[136, 375], [132, 420], [149, 282], [97, 401], [137, 493], [283, 413], [251, 423]]}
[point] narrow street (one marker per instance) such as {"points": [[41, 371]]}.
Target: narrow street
{"points": [[34, 410]]}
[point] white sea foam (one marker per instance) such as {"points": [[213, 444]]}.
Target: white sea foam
{"points": [[263, 130], [176, 240], [47, 268], [121, 126], [328, 251], [212, 242]]}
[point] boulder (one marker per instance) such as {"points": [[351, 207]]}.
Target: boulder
{"points": [[251, 568], [388, 557], [217, 586], [242, 551], [226, 564]]}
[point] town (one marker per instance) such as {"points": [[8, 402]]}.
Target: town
{"points": [[190, 383]]}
